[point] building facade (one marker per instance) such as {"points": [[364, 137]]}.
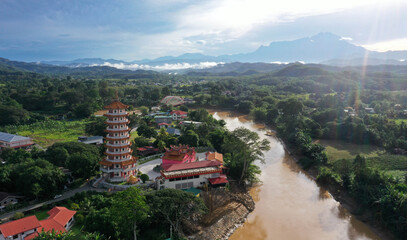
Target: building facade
{"points": [[119, 164]]}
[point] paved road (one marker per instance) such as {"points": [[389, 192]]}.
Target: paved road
{"points": [[64, 196]]}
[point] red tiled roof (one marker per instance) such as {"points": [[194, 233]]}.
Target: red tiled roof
{"points": [[61, 215], [48, 225], [185, 166], [31, 236], [161, 124], [178, 112], [19, 226], [116, 105], [218, 180]]}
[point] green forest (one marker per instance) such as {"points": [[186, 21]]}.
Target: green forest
{"points": [[303, 103]]}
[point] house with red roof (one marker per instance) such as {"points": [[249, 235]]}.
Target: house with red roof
{"points": [[24, 228], [58, 216], [60, 220], [179, 154], [178, 115]]}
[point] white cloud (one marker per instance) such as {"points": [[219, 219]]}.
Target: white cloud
{"points": [[392, 45], [175, 66], [346, 38]]}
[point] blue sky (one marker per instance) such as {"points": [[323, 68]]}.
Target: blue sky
{"points": [[130, 30]]}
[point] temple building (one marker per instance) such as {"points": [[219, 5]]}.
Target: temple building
{"points": [[119, 164], [179, 154]]}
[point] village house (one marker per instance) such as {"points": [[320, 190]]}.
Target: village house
{"points": [[21, 229], [370, 110], [8, 140], [174, 131], [164, 125], [189, 101], [163, 119], [60, 220], [7, 199], [178, 115], [187, 123], [179, 154]]}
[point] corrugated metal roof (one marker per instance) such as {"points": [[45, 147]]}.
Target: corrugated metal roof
{"points": [[7, 137]]}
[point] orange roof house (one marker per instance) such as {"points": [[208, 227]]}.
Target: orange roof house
{"points": [[22, 227], [61, 215], [60, 220]]}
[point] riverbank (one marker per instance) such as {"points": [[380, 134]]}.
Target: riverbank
{"points": [[343, 197], [227, 212], [289, 203]]}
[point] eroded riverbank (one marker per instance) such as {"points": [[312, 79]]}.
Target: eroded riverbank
{"points": [[289, 203]]}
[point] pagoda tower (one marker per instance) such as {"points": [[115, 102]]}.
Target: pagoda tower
{"points": [[119, 164]]}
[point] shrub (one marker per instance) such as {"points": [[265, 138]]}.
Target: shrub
{"points": [[18, 215], [144, 177]]}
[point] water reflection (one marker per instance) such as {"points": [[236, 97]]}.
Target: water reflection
{"points": [[289, 204]]}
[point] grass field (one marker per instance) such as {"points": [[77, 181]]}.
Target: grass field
{"points": [[341, 150], [49, 132], [394, 165], [400, 120]]}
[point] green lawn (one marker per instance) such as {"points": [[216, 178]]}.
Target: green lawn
{"points": [[49, 132], [341, 150], [40, 214]]}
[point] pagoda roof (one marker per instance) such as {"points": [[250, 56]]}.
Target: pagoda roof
{"points": [[116, 105]]}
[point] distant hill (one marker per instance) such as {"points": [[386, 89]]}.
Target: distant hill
{"points": [[326, 48], [90, 72]]}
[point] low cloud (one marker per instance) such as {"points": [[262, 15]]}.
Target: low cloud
{"points": [[346, 38], [167, 66]]}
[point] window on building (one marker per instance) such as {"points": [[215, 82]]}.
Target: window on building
{"points": [[178, 186], [196, 176]]}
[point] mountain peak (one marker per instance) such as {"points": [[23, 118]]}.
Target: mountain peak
{"points": [[325, 36]]}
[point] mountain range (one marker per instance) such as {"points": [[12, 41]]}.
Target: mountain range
{"points": [[326, 48]]}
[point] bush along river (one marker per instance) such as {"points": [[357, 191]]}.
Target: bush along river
{"points": [[289, 204]]}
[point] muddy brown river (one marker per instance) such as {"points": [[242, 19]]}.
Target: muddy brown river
{"points": [[289, 204]]}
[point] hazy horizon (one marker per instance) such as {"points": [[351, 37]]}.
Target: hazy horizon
{"points": [[134, 30]]}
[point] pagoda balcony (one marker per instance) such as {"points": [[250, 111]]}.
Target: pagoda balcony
{"points": [[114, 122], [126, 129], [118, 114], [117, 160], [125, 137], [111, 170], [118, 153], [113, 145]]}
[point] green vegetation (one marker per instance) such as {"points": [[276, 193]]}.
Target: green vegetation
{"points": [[48, 132]]}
